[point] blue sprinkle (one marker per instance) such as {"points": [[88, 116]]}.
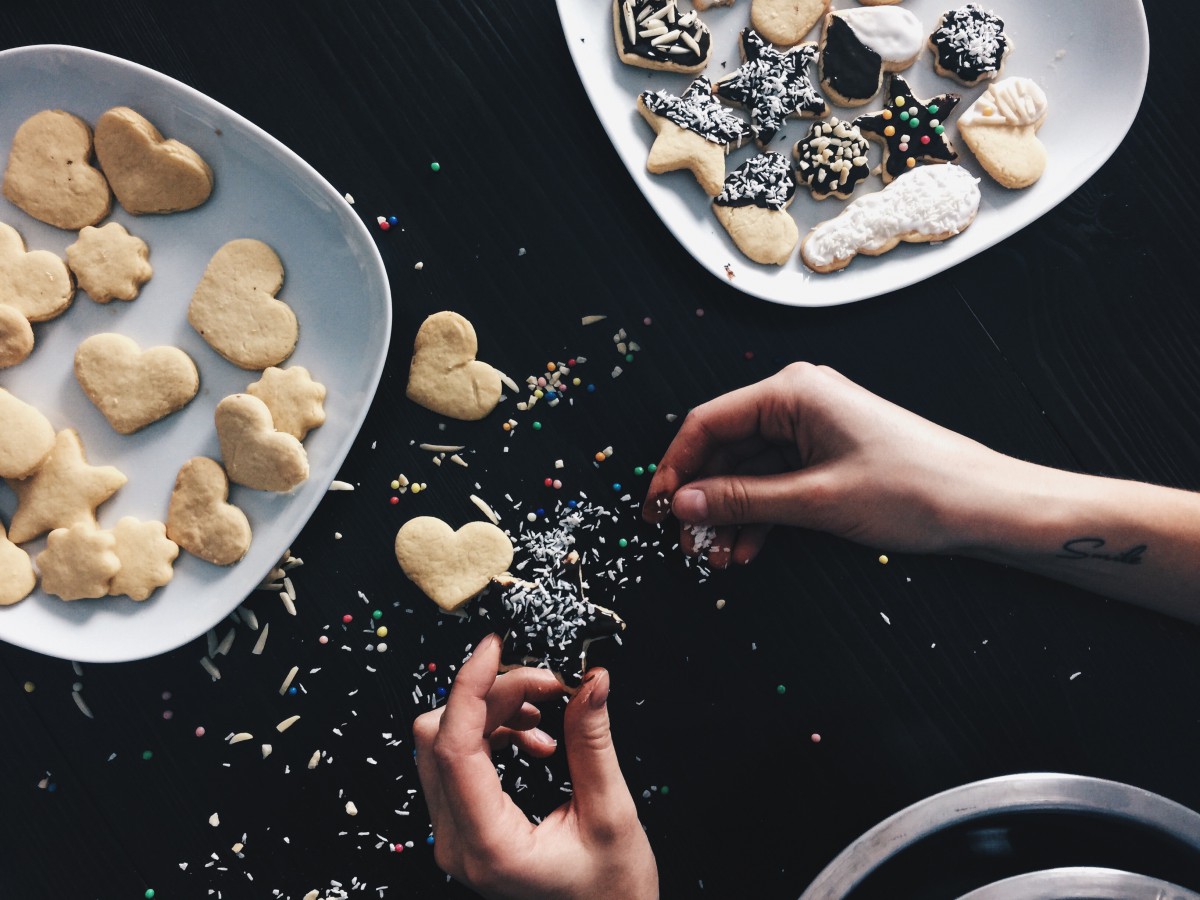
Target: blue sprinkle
{"points": [[572, 504], [550, 395], [429, 840], [616, 485], [52, 787], [441, 692], [541, 512], [292, 690], [591, 389], [392, 220]]}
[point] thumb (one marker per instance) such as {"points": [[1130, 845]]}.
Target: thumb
{"points": [[602, 800], [787, 498]]}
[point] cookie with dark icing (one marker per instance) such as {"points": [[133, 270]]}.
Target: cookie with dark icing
{"points": [[832, 160], [969, 44], [693, 131], [657, 34], [772, 84], [548, 623], [752, 207], [912, 131], [862, 44]]}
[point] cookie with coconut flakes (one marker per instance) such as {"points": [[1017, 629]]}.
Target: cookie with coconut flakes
{"points": [[969, 45], [657, 34], [752, 207], [692, 131]]}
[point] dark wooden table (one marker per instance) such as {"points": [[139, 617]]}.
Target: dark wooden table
{"points": [[919, 675]]}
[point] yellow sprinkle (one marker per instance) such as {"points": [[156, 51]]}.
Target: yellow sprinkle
{"points": [[416, 489], [395, 485], [29, 687], [883, 560], [381, 631], [576, 382], [538, 394]]}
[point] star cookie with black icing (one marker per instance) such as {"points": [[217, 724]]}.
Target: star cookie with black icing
{"points": [[969, 45], [832, 160], [753, 208], [656, 34], [548, 623], [694, 132], [912, 131], [773, 85]]}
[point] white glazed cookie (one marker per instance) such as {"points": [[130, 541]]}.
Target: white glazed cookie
{"points": [[693, 131], [786, 22], [134, 387], [931, 203], [109, 263], [1001, 128], [859, 45], [657, 34], [16, 336], [36, 282], [753, 208], [50, 173]]}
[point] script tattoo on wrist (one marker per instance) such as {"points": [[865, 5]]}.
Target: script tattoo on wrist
{"points": [[1092, 548]]}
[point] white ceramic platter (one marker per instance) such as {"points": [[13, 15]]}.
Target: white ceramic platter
{"points": [[334, 281], [1090, 57]]}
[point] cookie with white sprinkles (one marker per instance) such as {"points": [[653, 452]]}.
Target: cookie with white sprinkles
{"points": [[693, 131], [773, 85], [969, 45], [656, 34], [832, 160], [753, 208], [548, 623]]}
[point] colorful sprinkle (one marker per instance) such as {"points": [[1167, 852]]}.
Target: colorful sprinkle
{"points": [[394, 500], [638, 470], [537, 426], [622, 543], [199, 731], [323, 639], [377, 615], [436, 167], [432, 667], [147, 754], [781, 689], [652, 468], [30, 687], [616, 486], [815, 738], [347, 618], [883, 560], [381, 631]]}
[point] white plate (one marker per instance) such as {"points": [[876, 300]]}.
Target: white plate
{"points": [[334, 280], [1090, 56]]}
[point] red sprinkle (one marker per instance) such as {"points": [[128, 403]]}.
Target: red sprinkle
{"points": [[749, 354], [347, 618], [397, 848], [394, 500], [549, 481], [433, 667]]}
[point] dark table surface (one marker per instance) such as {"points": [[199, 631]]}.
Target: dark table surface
{"points": [[919, 675]]}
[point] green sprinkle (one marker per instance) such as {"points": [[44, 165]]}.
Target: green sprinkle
{"points": [[147, 754], [537, 426], [933, 108], [652, 468], [378, 614], [904, 116], [436, 167], [628, 357], [915, 123], [664, 790], [638, 470], [941, 129], [622, 543], [149, 895], [781, 689]]}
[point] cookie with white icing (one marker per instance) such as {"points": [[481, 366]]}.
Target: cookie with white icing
{"points": [[832, 160], [786, 22], [693, 131], [657, 34], [752, 207], [773, 85], [931, 203], [859, 46], [1001, 129], [912, 131], [969, 45]]}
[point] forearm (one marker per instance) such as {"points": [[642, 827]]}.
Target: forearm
{"points": [[1123, 539]]}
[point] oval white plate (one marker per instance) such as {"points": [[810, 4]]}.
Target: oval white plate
{"points": [[1090, 56], [334, 281]]}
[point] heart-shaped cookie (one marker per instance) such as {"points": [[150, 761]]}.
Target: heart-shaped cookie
{"points": [[16, 336], [451, 566], [16, 572], [26, 437], [37, 283], [255, 454], [235, 310], [134, 387], [445, 376], [148, 173], [201, 520], [49, 172]]}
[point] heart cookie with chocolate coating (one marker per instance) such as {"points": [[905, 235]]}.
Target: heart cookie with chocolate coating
{"points": [[49, 172], [445, 376], [255, 454], [235, 309], [134, 387], [201, 520], [451, 566], [147, 172], [37, 283]]}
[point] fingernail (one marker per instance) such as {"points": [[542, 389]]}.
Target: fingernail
{"points": [[599, 694], [691, 506], [541, 737]]}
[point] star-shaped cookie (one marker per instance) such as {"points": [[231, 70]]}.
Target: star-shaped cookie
{"points": [[772, 85], [63, 492], [549, 623], [912, 131], [694, 131]]}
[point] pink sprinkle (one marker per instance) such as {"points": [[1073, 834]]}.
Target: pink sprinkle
{"points": [[815, 738], [199, 731], [323, 639], [397, 848], [347, 618], [557, 484], [646, 321], [700, 312], [167, 714], [166, 695], [541, 382]]}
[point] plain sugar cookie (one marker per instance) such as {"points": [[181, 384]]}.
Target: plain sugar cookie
{"points": [[16, 336], [296, 402], [133, 387], [255, 454], [17, 578], [26, 437], [786, 22], [234, 306], [148, 173], [201, 519], [79, 563], [451, 566], [50, 173], [110, 263], [147, 558], [445, 376], [36, 282]]}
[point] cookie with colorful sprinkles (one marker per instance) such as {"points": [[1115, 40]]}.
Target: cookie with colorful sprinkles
{"points": [[832, 160], [548, 623], [912, 131], [753, 208], [772, 84], [969, 45], [693, 131], [656, 34]]}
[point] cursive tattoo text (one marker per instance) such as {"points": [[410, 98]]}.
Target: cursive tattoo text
{"points": [[1090, 548]]}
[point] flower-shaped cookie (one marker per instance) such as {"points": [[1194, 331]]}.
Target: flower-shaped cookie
{"points": [[109, 263]]}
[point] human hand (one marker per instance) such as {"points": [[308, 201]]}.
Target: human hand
{"points": [[809, 447], [591, 846]]}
